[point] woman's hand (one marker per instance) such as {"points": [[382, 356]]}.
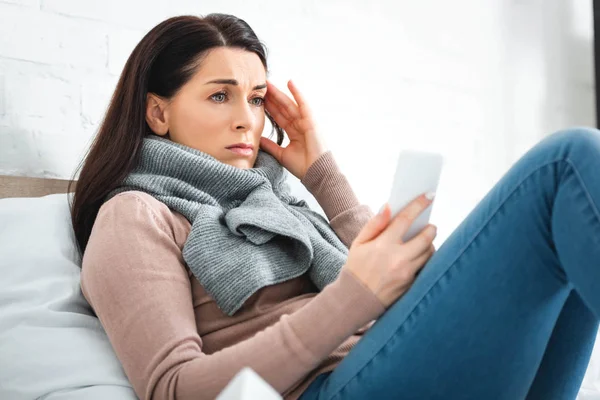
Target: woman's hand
{"points": [[381, 261], [295, 118]]}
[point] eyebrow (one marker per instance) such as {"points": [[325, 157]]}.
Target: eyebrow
{"points": [[234, 83]]}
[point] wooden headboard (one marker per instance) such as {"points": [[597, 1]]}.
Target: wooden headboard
{"points": [[20, 186]]}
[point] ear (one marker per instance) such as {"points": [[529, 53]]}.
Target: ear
{"points": [[156, 117]]}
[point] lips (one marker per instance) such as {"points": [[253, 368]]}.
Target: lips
{"points": [[242, 150], [241, 146]]}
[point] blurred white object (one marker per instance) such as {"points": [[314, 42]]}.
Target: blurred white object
{"points": [[248, 385], [590, 387]]}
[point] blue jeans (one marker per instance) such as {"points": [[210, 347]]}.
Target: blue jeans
{"points": [[508, 307]]}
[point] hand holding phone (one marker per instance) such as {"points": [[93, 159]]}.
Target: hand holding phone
{"points": [[377, 257], [417, 172]]}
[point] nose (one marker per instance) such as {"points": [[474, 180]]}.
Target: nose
{"points": [[243, 118]]}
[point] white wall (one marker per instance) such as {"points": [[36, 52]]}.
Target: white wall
{"points": [[478, 80]]}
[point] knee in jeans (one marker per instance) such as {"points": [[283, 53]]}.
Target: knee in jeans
{"points": [[580, 136], [578, 139]]}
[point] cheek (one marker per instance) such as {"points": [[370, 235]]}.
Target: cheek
{"points": [[200, 120], [261, 119]]}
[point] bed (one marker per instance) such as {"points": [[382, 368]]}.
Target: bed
{"points": [[52, 346], [20, 186]]}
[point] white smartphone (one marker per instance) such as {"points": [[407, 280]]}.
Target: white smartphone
{"points": [[417, 172]]}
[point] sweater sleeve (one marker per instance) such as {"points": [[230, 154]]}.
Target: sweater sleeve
{"points": [[134, 277], [331, 189]]}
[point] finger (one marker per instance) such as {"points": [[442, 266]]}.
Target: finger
{"points": [[272, 104], [277, 115], [275, 101], [271, 147], [374, 226], [420, 243], [304, 109], [418, 263], [287, 105], [401, 222]]}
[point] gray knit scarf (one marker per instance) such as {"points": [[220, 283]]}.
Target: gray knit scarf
{"points": [[247, 230]]}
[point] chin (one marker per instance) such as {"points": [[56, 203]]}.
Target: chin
{"points": [[239, 161], [241, 164]]}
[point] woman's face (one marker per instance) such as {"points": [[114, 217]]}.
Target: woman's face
{"points": [[220, 107]]}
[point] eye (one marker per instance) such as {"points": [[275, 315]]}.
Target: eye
{"points": [[259, 103], [219, 97]]}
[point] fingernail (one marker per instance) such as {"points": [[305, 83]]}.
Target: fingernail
{"points": [[430, 195], [381, 209]]}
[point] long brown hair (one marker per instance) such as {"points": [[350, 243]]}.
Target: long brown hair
{"points": [[164, 60]]}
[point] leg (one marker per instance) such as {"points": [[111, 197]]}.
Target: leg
{"points": [[478, 318], [567, 353]]}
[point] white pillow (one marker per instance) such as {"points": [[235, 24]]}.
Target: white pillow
{"points": [[51, 344]]}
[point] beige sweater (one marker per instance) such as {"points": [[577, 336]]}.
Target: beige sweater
{"points": [[172, 339]]}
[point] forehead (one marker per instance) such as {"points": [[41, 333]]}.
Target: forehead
{"points": [[232, 63]]}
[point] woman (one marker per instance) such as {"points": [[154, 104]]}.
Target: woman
{"points": [[198, 262]]}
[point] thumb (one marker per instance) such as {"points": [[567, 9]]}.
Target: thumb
{"points": [[271, 147], [374, 226]]}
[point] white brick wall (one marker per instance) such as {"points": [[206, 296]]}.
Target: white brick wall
{"points": [[29, 3], [480, 81], [52, 39], [2, 96]]}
